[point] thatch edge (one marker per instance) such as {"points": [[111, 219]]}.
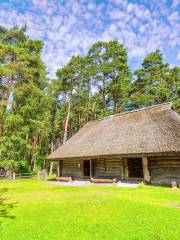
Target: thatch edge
{"points": [[169, 105]]}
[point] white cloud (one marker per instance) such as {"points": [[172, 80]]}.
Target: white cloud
{"points": [[42, 4], [71, 27], [178, 56], [134, 22], [176, 3], [117, 14], [120, 2], [142, 28], [56, 22], [137, 52], [174, 17], [91, 5], [130, 7]]}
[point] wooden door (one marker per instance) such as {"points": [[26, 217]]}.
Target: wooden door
{"points": [[135, 168], [87, 168]]}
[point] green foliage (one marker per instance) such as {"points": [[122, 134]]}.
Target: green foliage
{"points": [[111, 74], [24, 103], [156, 82], [173, 85], [37, 115], [22, 167], [97, 85]]}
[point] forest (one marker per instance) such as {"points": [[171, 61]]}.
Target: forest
{"points": [[38, 114]]}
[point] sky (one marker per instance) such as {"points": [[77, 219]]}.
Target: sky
{"points": [[70, 27]]}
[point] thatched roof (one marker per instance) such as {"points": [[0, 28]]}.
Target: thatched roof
{"points": [[154, 129]]}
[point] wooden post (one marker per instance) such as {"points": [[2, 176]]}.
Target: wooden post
{"points": [[91, 172], [14, 176], [58, 165], [60, 168], [145, 169], [173, 184], [51, 168], [51, 162], [126, 171], [38, 175]]}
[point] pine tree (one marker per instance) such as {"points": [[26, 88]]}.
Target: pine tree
{"points": [[119, 75], [98, 59], [23, 99], [152, 84]]}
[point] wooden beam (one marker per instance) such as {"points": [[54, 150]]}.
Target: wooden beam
{"points": [[82, 167], [102, 157], [125, 166], [58, 168], [145, 169]]}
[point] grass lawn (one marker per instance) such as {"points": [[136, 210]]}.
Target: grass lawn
{"points": [[37, 210]]}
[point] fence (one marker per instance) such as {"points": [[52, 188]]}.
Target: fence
{"points": [[15, 176]]}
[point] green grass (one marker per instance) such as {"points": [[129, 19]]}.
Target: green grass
{"points": [[37, 210]]}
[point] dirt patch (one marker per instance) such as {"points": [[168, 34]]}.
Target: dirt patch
{"points": [[86, 183], [73, 183], [176, 205]]}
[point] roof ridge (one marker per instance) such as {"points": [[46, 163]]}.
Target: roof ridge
{"points": [[135, 110]]}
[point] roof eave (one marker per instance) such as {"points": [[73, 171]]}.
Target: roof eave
{"points": [[130, 155]]}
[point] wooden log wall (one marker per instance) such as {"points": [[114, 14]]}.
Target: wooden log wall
{"points": [[164, 167], [107, 168], [71, 168]]}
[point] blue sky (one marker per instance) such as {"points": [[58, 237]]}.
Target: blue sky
{"points": [[70, 27]]}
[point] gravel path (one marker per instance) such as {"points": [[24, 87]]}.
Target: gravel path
{"points": [[130, 185], [73, 183], [88, 183]]}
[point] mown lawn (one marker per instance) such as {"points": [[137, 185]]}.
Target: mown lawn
{"points": [[37, 210]]}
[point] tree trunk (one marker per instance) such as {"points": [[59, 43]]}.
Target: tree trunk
{"points": [[4, 103], [115, 104], [51, 163], [79, 120], [93, 111], [51, 168], [1, 128], [104, 96], [67, 120], [34, 145]]}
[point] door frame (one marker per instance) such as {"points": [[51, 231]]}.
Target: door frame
{"points": [[141, 174], [90, 168], [84, 169]]}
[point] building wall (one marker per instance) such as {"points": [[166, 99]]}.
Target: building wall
{"points": [[107, 168], [101, 168], [165, 168], [162, 169], [71, 168]]}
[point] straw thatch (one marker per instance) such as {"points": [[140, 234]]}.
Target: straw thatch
{"points": [[154, 129]]}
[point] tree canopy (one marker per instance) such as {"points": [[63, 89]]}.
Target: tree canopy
{"points": [[38, 114]]}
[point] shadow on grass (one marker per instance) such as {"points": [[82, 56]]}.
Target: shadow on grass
{"points": [[5, 205]]}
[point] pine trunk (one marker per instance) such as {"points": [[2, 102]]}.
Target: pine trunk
{"points": [[115, 104], [104, 96], [34, 145], [5, 103], [67, 120], [79, 120], [51, 163]]}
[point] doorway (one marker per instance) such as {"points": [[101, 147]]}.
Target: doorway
{"points": [[135, 167], [86, 168]]}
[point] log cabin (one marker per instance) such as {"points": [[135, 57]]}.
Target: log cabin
{"points": [[142, 144]]}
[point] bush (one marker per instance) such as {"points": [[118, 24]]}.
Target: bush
{"points": [[22, 167]]}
